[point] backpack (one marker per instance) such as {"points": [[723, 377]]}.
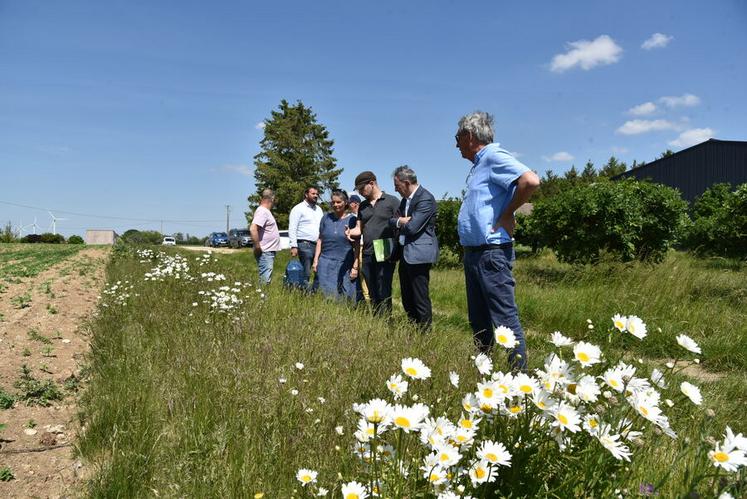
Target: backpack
{"points": [[294, 275]]}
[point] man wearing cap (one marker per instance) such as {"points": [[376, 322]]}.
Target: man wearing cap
{"points": [[303, 231], [497, 185], [416, 222], [378, 240]]}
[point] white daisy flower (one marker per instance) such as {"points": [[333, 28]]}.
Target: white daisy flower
{"points": [[489, 393], [619, 322], [470, 403], [636, 327], [481, 472], [542, 400], [587, 354], [447, 455], [321, 492], [587, 389], [505, 337], [306, 476], [736, 441], [614, 379], [484, 364], [463, 437], [559, 340], [377, 411], [354, 490], [692, 392], [397, 386], [688, 343], [415, 368], [299, 366], [658, 378], [613, 444], [495, 453], [409, 418], [454, 379], [730, 459], [340, 430], [525, 384], [436, 475], [468, 422], [591, 424], [566, 418], [435, 431]]}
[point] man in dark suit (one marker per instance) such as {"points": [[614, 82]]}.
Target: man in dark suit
{"points": [[416, 222]]}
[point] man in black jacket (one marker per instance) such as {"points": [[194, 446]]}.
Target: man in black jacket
{"points": [[416, 222]]}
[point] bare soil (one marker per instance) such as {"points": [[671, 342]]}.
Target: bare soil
{"points": [[37, 442]]}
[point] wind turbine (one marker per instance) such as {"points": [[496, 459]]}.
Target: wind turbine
{"points": [[31, 225], [54, 222]]}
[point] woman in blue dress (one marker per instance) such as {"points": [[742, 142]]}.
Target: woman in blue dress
{"points": [[335, 262]]}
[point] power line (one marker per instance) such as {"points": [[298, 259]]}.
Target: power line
{"points": [[154, 220]]}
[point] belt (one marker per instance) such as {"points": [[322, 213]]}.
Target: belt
{"points": [[306, 241], [486, 247]]}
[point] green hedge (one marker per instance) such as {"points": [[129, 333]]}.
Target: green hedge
{"points": [[627, 220], [719, 226]]}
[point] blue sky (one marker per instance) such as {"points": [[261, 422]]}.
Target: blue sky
{"points": [[149, 110]]}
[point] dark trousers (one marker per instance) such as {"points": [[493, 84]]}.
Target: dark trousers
{"points": [[490, 300], [306, 256], [379, 276], [413, 282]]}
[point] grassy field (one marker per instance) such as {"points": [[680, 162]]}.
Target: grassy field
{"points": [[186, 401]]}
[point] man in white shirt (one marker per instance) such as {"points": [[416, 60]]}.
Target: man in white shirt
{"points": [[303, 231]]}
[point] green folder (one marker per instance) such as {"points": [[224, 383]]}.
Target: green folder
{"points": [[383, 249]]}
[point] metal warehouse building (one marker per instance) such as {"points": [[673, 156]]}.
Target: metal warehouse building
{"points": [[695, 169]]}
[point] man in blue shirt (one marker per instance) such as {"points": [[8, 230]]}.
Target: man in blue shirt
{"points": [[497, 185]]}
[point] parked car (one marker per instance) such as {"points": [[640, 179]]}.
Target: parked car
{"points": [[239, 238], [169, 241], [217, 239], [284, 240]]}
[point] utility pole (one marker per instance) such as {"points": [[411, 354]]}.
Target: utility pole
{"points": [[228, 210], [161, 227]]}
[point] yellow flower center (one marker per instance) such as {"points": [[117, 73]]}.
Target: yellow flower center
{"points": [[402, 422], [352, 495], [721, 457], [487, 392], [435, 477], [502, 339], [619, 325], [491, 457], [461, 438], [466, 423], [541, 404], [306, 478], [614, 383], [563, 418], [444, 458], [504, 388], [582, 356], [376, 417], [370, 431], [643, 410], [515, 409], [480, 473], [411, 371], [526, 388], [593, 423]]}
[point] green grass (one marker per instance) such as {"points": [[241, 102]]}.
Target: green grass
{"points": [[183, 402], [28, 260]]}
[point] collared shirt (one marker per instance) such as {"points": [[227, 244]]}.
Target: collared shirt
{"points": [[375, 220], [407, 213], [490, 188], [269, 236], [303, 223]]}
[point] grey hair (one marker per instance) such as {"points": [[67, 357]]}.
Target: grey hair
{"points": [[405, 174], [479, 124], [268, 195]]}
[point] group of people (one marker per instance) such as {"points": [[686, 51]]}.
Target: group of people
{"points": [[353, 250]]}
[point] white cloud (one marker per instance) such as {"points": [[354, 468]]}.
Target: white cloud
{"points": [[685, 100], [691, 137], [260, 125], [656, 41], [242, 169], [559, 156], [642, 109], [587, 54], [635, 127]]}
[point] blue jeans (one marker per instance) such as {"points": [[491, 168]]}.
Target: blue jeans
{"points": [[490, 300], [265, 263], [306, 251]]}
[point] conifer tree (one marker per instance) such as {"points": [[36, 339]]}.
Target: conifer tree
{"points": [[296, 153]]}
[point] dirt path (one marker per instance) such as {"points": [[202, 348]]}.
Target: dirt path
{"points": [[45, 336]]}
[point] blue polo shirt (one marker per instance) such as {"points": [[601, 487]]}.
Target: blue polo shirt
{"points": [[490, 188]]}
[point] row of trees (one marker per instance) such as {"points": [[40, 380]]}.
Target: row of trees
{"points": [[135, 236], [8, 235]]}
